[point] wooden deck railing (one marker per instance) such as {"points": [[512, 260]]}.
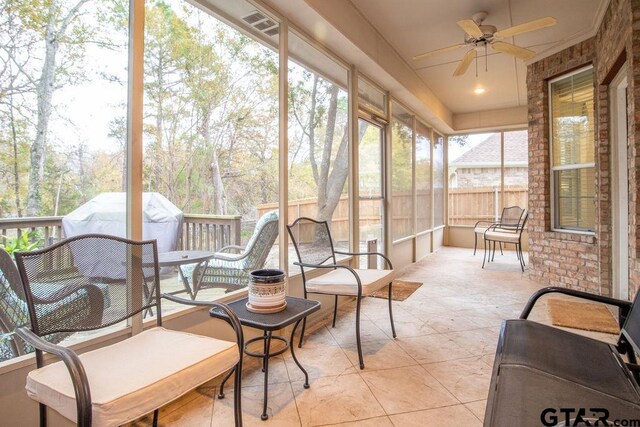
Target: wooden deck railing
{"points": [[199, 232]]}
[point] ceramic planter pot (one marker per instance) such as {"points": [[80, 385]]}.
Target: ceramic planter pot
{"points": [[267, 291]]}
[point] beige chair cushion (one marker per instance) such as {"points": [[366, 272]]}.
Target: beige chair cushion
{"points": [[133, 377], [502, 236], [342, 282]]}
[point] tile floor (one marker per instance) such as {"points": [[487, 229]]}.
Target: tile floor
{"points": [[436, 373]]}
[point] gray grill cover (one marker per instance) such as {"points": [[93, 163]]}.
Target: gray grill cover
{"points": [[106, 214]]}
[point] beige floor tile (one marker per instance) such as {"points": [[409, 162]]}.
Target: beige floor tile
{"points": [[451, 416], [407, 389], [478, 341], [432, 348], [477, 408], [281, 407], [371, 422], [333, 400], [488, 359], [345, 331], [319, 361], [450, 322], [412, 328], [317, 336], [385, 354], [198, 412], [466, 379]]}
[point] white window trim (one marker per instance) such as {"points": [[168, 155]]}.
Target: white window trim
{"points": [[552, 168]]}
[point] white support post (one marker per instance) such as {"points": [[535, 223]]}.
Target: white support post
{"points": [[283, 145]]}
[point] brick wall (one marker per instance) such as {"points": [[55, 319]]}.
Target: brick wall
{"points": [[580, 261]]}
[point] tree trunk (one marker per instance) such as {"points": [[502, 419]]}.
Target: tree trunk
{"points": [[44, 92], [219, 197], [325, 210]]}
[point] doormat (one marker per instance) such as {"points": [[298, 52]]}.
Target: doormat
{"points": [[582, 315], [401, 290]]}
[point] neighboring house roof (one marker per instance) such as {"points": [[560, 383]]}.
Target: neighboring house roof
{"points": [[487, 153]]}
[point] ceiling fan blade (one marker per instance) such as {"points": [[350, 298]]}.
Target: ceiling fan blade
{"points": [[513, 50], [470, 27], [433, 52], [527, 26], [467, 59]]}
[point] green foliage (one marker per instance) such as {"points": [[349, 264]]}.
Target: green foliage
{"points": [[26, 242]]}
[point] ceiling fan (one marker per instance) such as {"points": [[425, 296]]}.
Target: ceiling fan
{"points": [[479, 35]]}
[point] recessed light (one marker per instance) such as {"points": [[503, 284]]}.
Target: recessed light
{"points": [[479, 90]]}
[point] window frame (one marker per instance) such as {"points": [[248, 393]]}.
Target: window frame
{"points": [[554, 198]]}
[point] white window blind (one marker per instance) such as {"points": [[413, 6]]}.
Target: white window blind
{"points": [[572, 151]]}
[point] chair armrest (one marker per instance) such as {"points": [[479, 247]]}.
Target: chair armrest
{"points": [[74, 366], [486, 222], [333, 266], [232, 247], [624, 306], [387, 260], [233, 318]]}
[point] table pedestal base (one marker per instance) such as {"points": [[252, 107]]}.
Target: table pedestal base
{"points": [[265, 355]]}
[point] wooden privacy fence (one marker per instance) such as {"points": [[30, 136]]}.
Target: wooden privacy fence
{"points": [[466, 206], [469, 205]]}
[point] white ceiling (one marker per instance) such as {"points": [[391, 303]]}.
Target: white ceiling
{"points": [[415, 26]]}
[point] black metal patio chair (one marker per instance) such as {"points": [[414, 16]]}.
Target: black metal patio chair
{"points": [[121, 382], [509, 220], [314, 247], [65, 308], [510, 235]]}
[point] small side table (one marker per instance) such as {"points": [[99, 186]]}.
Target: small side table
{"points": [[297, 309], [179, 258]]}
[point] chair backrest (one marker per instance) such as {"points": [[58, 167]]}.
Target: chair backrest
{"points": [[71, 300], [312, 241], [511, 217], [13, 307], [261, 242]]}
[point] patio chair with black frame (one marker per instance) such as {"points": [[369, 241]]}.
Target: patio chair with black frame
{"points": [[499, 234], [509, 220], [230, 271], [65, 307], [121, 382], [314, 247]]}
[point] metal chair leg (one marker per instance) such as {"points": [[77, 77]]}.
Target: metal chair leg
{"points": [[493, 257], [304, 325], [335, 312], [237, 393], [484, 257], [521, 263], [155, 418], [360, 358], [393, 327], [475, 242], [501, 253], [43, 415]]}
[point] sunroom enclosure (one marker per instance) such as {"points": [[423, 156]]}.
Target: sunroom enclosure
{"points": [[199, 102]]}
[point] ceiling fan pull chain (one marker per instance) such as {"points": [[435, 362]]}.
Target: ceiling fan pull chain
{"points": [[476, 65], [486, 58]]}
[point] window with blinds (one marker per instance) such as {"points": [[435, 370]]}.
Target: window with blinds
{"points": [[573, 150]]}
